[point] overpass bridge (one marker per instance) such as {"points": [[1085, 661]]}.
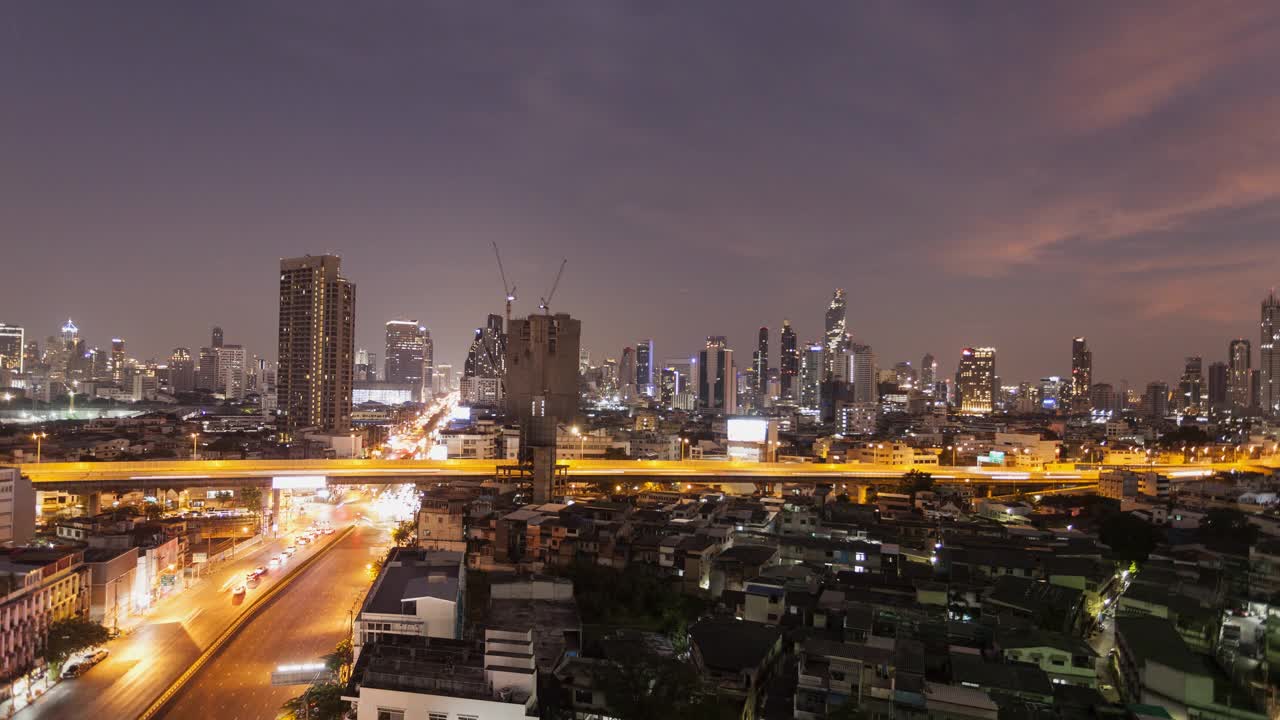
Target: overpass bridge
{"points": [[92, 477]]}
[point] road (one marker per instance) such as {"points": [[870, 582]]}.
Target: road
{"points": [[144, 662], [302, 624]]}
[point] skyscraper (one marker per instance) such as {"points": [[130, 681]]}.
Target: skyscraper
{"points": [[231, 371], [317, 345], [811, 369], [1269, 356], [976, 380], [627, 374], [1240, 368], [542, 368], [1218, 374], [862, 370], [928, 373], [1155, 403], [788, 363], [1191, 387], [12, 343], [483, 371], [117, 360], [644, 368], [215, 337], [207, 370], [836, 338], [406, 355], [716, 379], [760, 361], [1081, 374], [182, 371]]}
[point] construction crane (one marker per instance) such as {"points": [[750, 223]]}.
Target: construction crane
{"points": [[545, 305], [509, 290]]}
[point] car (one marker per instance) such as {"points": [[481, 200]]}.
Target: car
{"points": [[290, 550], [97, 656], [258, 571], [251, 575], [303, 540], [239, 591], [71, 670], [273, 563]]}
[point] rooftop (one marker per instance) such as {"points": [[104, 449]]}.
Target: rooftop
{"points": [[1156, 640], [412, 574], [733, 644]]}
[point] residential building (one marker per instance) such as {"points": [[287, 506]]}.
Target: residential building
{"points": [[835, 345], [976, 381], [788, 363], [12, 342], [316, 345], [1239, 372], [416, 678], [39, 587], [1081, 375], [17, 508], [418, 593], [1269, 356]]}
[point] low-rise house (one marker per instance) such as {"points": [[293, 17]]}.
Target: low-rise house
{"points": [[419, 593], [1065, 659], [735, 656]]}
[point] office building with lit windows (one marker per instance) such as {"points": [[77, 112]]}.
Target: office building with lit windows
{"points": [[316, 345]]}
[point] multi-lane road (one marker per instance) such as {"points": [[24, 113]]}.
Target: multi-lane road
{"points": [[143, 663], [302, 624]]}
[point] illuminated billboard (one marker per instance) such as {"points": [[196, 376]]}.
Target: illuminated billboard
{"points": [[748, 429], [460, 412], [298, 482]]}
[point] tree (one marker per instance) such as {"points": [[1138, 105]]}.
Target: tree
{"points": [[152, 510], [323, 701], [1184, 435], [340, 659], [917, 480], [69, 636], [251, 498], [1227, 529], [639, 684], [1129, 536], [405, 533]]}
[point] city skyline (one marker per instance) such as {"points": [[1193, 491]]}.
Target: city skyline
{"points": [[312, 145]]}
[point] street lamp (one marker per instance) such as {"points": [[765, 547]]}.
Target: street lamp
{"points": [[684, 445], [38, 437]]}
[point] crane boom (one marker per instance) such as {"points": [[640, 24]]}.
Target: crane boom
{"points": [[546, 302], [509, 291]]}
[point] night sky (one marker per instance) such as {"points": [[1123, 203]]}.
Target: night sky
{"points": [[997, 173]]}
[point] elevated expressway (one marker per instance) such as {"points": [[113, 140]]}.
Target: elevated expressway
{"points": [[79, 477]]}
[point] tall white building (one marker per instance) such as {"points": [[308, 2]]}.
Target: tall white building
{"points": [[231, 371], [717, 379], [862, 370]]}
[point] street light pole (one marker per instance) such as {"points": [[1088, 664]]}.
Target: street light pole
{"points": [[194, 439], [38, 437]]}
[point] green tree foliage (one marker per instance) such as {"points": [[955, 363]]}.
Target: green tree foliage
{"points": [[251, 498], [1228, 529], [1184, 435], [72, 635], [641, 685], [323, 702], [405, 533], [636, 597], [340, 658], [1129, 536], [917, 481]]}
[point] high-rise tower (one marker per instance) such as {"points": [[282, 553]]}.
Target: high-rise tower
{"points": [[760, 361], [1239, 372], [788, 363], [406, 355], [717, 380], [976, 380], [316, 345], [1269, 356], [1081, 374]]}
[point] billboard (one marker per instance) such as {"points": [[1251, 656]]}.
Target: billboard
{"points": [[460, 412], [748, 429], [298, 482]]}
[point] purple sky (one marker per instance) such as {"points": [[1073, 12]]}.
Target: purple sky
{"points": [[1010, 174]]}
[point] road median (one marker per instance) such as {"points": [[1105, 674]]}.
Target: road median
{"points": [[158, 705]]}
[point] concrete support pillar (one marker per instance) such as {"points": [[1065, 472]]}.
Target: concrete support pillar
{"points": [[275, 506], [94, 503], [861, 492], [544, 470]]}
